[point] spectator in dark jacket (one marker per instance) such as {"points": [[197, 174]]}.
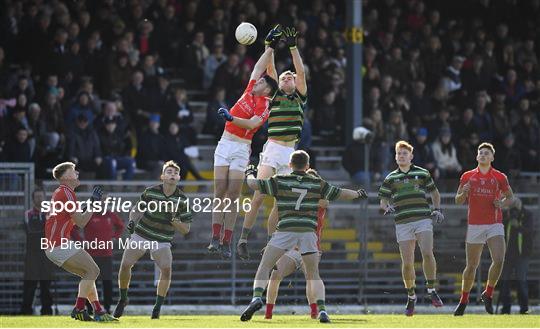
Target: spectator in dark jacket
{"points": [[115, 148], [135, 98], [519, 228], [423, 154], [354, 158], [18, 148], [174, 150], [150, 154], [214, 124], [83, 146], [508, 157], [528, 142]]}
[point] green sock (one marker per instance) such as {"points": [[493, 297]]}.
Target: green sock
{"points": [[430, 284], [258, 292], [159, 301], [320, 305], [123, 294], [410, 291], [245, 233]]}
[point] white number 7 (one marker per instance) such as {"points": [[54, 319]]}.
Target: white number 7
{"points": [[303, 193]]}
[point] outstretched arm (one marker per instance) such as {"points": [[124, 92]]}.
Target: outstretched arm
{"points": [[261, 64], [271, 68], [290, 35]]}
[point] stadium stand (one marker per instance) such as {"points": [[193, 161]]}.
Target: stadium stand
{"points": [[470, 68]]}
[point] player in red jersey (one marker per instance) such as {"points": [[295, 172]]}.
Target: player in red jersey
{"points": [[486, 190], [234, 148], [58, 229]]}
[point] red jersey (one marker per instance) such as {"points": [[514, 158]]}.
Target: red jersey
{"points": [[484, 190], [320, 224], [247, 107], [59, 225], [101, 228]]}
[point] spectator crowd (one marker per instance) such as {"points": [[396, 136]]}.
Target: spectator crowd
{"points": [[104, 83], [450, 75]]}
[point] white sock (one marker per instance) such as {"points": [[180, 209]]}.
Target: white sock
{"points": [[413, 296], [255, 298], [430, 290]]}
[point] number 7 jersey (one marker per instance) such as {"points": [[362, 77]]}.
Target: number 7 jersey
{"points": [[297, 198]]}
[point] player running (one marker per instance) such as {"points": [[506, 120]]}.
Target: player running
{"points": [[58, 229], [284, 127], [291, 261], [297, 196], [403, 192], [154, 231], [486, 190], [233, 150]]}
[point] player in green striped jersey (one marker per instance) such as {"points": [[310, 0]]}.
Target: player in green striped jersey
{"points": [[403, 193], [297, 197], [154, 230], [284, 127]]}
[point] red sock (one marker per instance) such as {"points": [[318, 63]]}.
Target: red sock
{"points": [[489, 291], [80, 304], [464, 298], [313, 307], [216, 231], [97, 306], [227, 236], [269, 309]]}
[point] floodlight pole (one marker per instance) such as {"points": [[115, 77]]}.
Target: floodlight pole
{"points": [[354, 38]]}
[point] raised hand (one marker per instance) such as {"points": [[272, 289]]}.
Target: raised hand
{"points": [[290, 34], [273, 36]]}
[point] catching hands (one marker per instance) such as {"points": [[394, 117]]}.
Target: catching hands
{"points": [[290, 37], [437, 215], [224, 113], [273, 37], [251, 170]]}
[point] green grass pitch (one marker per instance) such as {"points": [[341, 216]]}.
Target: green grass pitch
{"points": [[294, 321]]}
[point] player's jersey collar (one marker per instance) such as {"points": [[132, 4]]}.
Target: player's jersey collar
{"points": [[69, 188]]}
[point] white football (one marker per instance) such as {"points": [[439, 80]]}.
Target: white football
{"points": [[246, 33]]}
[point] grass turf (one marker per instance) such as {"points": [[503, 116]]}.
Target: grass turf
{"points": [[294, 321]]}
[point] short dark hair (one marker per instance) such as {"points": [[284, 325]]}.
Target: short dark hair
{"points": [[299, 160], [272, 84], [488, 146]]}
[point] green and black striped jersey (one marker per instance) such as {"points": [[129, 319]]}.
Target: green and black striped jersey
{"points": [[155, 225], [286, 116], [297, 198], [407, 192]]}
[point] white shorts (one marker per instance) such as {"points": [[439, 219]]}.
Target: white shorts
{"points": [[60, 255], [141, 243], [232, 154], [407, 231], [306, 241], [276, 156], [479, 234], [295, 256]]}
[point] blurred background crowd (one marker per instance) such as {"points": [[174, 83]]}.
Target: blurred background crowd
{"points": [[108, 83]]}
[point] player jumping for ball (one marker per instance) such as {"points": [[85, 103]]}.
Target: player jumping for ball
{"points": [[154, 230], [58, 227], [486, 190], [233, 150], [284, 127], [403, 192], [297, 196]]}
